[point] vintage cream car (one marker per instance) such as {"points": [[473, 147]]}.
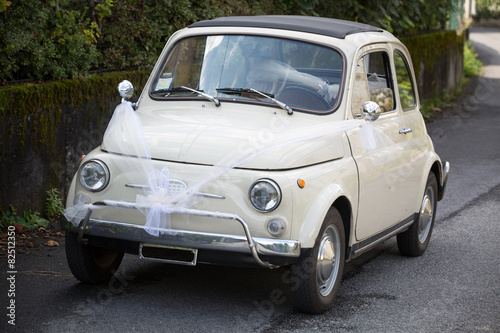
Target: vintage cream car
{"points": [[268, 140]]}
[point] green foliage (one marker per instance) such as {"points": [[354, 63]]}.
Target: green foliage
{"points": [[53, 204], [405, 87], [55, 39], [134, 36], [431, 106], [28, 220], [473, 67], [45, 40], [30, 114], [4, 4], [486, 9], [401, 17], [103, 9]]}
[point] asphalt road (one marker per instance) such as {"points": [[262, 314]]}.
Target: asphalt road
{"points": [[454, 286]]}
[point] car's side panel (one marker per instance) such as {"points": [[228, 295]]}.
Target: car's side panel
{"points": [[390, 154], [324, 184], [71, 192], [417, 170], [383, 198]]}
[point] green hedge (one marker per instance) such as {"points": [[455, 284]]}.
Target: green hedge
{"points": [[40, 104], [40, 41], [54, 39]]}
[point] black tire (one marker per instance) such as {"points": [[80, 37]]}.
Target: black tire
{"points": [[91, 264], [316, 280], [414, 241]]}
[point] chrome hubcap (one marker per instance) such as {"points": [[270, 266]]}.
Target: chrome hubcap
{"points": [[327, 265], [426, 213]]}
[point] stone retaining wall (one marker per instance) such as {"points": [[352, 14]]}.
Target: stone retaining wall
{"points": [[45, 128], [438, 60]]}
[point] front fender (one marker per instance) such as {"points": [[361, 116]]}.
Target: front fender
{"points": [[315, 216], [440, 169], [70, 199]]}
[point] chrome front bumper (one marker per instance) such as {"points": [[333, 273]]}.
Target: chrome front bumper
{"points": [[255, 246]]}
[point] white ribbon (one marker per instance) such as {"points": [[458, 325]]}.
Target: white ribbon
{"points": [[125, 134], [76, 213]]}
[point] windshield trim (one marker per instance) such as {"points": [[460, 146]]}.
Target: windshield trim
{"points": [[334, 108]]}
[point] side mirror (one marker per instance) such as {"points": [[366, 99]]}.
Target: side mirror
{"points": [[125, 89], [370, 111]]}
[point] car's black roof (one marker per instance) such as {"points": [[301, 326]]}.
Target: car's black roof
{"points": [[318, 25]]}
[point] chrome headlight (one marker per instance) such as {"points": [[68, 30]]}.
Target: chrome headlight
{"points": [[94, 175], [265, 195]]}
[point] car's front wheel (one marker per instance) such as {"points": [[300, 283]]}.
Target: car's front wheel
{"points": [[316, 280], [91, 264], [414, 241]]}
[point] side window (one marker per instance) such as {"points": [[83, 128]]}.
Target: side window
{"points": [[373, 82], [405, 83]]}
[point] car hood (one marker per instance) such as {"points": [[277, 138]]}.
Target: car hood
{"points": [[245, 139]]}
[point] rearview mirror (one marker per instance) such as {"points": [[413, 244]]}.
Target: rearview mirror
{"points": [[370, 111], [125, 89]]}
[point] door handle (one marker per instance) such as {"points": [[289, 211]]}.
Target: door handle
{"points": [[405, 130]]}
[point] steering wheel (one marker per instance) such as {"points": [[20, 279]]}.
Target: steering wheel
{"points": [[296, 96]]}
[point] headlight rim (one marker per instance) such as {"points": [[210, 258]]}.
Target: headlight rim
{"points": [[274, 185], [106, 172]]}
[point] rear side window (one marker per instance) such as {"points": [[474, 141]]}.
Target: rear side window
{"points": [[405, 83]]}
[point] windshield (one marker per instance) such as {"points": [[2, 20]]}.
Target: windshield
{"points": [[301, 75]]}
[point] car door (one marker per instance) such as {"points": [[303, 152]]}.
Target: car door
{"points": [[380, 148], [413, 133]]}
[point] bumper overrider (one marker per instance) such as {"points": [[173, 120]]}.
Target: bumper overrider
{"points": [[445, 170], [282, 251]]}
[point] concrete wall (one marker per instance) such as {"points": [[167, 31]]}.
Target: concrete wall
{"points": [[487, 23], [45, 128], [438, 62]]}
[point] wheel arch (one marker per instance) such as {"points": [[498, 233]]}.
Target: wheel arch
{"points": [[332, 196], [437, 169], [440, 169], [344, 207]]}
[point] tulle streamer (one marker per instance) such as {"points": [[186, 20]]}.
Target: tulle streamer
{"points": [[125, 133]]}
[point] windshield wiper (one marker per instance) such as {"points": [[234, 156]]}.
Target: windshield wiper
{"points": [[169, 90], [207, 96], [183, 88], [240, 91]]}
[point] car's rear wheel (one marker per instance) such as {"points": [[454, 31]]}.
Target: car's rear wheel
{"points": [[316, 280], [91, 264], [415, 240]]}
